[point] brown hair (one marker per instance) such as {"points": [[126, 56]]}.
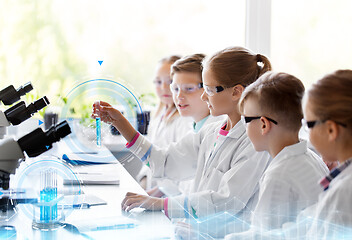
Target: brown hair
{"points": [[190, 64], [168, 60], [237, 65], [331, 97], [279, 96]]}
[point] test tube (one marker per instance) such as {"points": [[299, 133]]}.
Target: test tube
{"points": [[98, 126], [48, 193]]}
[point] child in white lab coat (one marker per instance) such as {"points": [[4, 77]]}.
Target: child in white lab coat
{"points": [[271, 108], [166, 125], [186, 88], [220, 157], [328, 116]]}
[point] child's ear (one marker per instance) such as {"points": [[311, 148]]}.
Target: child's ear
{"points": [[265, 125], [332, 130], [237, 92]]}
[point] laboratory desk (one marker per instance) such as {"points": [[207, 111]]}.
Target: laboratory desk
{"points": [[148, 224]]}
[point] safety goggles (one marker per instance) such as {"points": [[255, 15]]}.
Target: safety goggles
{"points": [[246, 119], [310, 124], [185, 88], [158, 82], [211, 90]]}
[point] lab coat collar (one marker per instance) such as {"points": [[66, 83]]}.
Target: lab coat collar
{"points": [[289, 151], [237, 131], [345, 173]]}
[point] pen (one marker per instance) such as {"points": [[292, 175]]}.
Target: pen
{"points": [[117, 226], [79, 206], [90, 173]]}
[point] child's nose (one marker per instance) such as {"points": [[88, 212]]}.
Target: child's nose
{"points": [[165, 85], [180, 94]]}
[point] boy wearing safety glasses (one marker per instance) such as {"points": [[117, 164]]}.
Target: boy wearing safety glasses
{"points": [[186, 88], [271, 109]]}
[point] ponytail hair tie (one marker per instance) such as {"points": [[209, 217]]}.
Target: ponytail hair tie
{"points": [[259, 58]]}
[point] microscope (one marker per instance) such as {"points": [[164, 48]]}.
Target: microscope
{"points": [[34, 143]]}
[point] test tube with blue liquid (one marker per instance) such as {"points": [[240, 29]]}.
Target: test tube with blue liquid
{"points": [[98, 126], [48, 193]]}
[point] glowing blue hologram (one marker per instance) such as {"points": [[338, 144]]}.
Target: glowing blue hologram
{"points": [[45, 177], [48, 193], [85, 131]]}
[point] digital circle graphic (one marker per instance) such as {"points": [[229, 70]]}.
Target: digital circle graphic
{"points": [[30, 180], [78, 108]]}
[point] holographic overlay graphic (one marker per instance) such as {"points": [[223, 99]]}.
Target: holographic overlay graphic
{"points": [[29, 179], [78, 108]]}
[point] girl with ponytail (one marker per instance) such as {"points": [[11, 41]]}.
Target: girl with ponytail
{"points": [[220, 157]]}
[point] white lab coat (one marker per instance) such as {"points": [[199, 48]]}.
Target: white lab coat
{"points": [[331, 217], [226, 177], [162, 134], [171, 188], [289, 185]]}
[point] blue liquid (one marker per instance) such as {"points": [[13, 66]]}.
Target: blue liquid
{"points": [[48, 213], [98, 127]]}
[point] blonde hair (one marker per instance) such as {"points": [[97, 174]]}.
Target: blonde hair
{"points": [[190, 64], [279, 96], [331, 97], [168, 60], [237, 65]]}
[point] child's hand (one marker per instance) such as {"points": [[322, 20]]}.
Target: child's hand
{"points": [[184, 231], [155, 192], [133, 200], [106, 112]]}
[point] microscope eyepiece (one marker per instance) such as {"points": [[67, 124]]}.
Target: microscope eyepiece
{"points": [[38, 105], [10, 95], [20, 112], [37, 142]]}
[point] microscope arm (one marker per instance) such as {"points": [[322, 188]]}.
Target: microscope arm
{"points": [[10, 156], [3, 120]]}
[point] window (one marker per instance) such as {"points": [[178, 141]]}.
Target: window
{"points": [[311, 38], [55, 44]]}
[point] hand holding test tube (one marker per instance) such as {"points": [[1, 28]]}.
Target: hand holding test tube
{"points": [[111, 115], [96, 113]]}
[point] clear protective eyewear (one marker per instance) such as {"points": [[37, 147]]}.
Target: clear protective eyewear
{"points": [[185, 88], [158, 82], [246, 119], [211, 90]]}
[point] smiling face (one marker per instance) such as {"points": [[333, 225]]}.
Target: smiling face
{"points": [[221, 102], [162, 83], [189, 104]]}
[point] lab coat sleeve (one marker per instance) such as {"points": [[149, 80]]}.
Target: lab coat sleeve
{"points": [[177, 162], [333, 216], [273, 207], [236, 187]]}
